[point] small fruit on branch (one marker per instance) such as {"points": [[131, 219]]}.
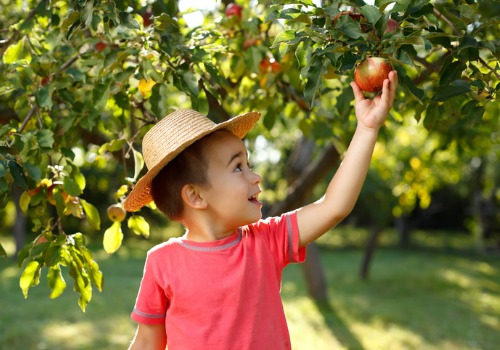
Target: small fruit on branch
{"points": [[370, 74]]}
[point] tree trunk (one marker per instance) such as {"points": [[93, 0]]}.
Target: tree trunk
{"points": [[20, 223], [371, 245], [314, 275], [307, 175], [404, 231]]}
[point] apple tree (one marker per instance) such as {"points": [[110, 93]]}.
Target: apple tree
{"points": [[83, 81]]}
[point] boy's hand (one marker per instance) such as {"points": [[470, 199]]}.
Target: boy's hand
{"points": [[372, 113]]}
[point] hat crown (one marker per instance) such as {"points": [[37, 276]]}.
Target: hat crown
{"points": [[172, 132]]}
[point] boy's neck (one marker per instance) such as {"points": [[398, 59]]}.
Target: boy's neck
{"points": [[197, 236], [200, 230]]}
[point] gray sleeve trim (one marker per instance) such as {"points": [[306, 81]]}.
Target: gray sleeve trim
{"points": [[143, 314], [289, 228]]}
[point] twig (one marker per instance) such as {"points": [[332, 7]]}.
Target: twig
{"points": [[68, 63], [443, 17], [27, 119], [490, 68]]}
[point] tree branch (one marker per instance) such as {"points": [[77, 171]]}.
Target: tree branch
{"points": [[310, 177], [444, 18], [27, 118], [491, 69]]}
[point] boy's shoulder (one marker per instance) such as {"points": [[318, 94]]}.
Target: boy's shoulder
{"points": [[165, 246]]}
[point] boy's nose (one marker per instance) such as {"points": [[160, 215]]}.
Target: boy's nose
{"points": [[256, 178]]}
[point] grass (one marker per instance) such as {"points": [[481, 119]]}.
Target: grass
{"points": [[425, 299]]}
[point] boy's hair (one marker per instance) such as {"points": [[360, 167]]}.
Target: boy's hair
{"points": [[189, 167]]}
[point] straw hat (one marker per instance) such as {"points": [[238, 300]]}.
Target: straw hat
{"points": [[173, 134]]}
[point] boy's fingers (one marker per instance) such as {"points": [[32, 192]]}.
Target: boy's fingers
{"points": [[389, 87], [358, 94], [394, 82]]}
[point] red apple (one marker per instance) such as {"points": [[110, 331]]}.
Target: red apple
{"points": [[269, 65], [392, 25], [370, 74], [275, 67], [234, 10], [100, 46], [147, 18], [45, 80]]}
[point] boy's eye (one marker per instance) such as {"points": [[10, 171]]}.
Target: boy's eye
{"points": [[238, 168]]}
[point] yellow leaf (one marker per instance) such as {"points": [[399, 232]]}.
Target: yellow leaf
{"points": [[145, 87], [139, 225], [113, 238]]}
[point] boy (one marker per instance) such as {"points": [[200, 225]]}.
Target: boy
{"points": [[218, 286]]}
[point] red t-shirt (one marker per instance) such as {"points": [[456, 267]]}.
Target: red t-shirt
{"points": [[223, 294]]}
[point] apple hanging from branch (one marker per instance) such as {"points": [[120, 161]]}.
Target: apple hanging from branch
{"points": [[392, 25], [234, 10], [370, 74]]}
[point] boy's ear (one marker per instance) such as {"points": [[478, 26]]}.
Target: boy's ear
{"points": [[192, 198]]}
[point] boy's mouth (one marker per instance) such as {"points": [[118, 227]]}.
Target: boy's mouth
{"points": [[254, 198]]}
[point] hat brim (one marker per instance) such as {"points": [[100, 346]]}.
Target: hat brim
{"points": [[141, 193]]}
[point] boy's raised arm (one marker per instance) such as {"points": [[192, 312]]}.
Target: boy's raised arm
{"points": [[344, 188]]}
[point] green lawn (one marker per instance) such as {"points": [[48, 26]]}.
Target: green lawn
{"points": [[419, 299]]}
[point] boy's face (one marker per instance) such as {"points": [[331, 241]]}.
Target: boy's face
{"points": [[233, 187]]}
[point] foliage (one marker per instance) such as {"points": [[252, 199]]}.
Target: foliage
{"points": [[82, 81]]}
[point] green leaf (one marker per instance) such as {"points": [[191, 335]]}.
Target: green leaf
{"points": [[71, 187], [314, 80], [190, 84], [456, 88], [129, 21], [269, 118], [473, 112], [139, 225], [432, 115], [24, 202], [100, 95], [79, 179], [372, 13], [382, 4], [138, 163], [92, 214], [284, 36], [113, 237], [93, 268], [71, 18], [95, 274], [344, 103], [6, 89], [18, 175], [33, 170], [44, 96], [349, 27], [112, 146], [45, 138], [30, 277], [18, 52], [301, 18], [86, 14], [414, 90], [2, 251], [56, 281], [157, 100]]}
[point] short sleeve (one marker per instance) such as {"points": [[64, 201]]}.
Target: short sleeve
{"points": [[151, 303], [282, 236]]}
